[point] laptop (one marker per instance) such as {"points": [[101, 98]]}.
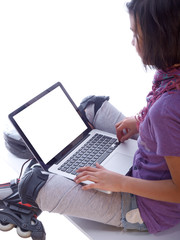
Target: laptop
{"points": [[61, 140]]}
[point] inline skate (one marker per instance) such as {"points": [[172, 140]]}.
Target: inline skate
{"points": [[15, 214]]}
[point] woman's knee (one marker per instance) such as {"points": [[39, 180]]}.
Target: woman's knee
{"points": [[100, 113]]}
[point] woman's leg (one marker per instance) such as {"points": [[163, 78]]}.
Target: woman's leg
{"points": [[105, 118], [64, 196]]}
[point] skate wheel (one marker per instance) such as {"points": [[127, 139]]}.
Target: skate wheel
{"points": [[6, 227], [23, 234]]}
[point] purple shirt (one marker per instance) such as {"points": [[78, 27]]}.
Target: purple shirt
{"points": [[159, 137]]}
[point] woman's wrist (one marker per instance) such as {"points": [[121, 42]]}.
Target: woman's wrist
{"points": [[136, 117]]}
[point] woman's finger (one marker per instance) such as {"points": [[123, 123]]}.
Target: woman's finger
{"points": [[90, 186], [118, 124], [126, 136], [87, 168], [86, 178], [99, 166], [84, 173]]}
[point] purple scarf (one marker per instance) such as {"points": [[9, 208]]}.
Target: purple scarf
{"points": [[163, 82]]}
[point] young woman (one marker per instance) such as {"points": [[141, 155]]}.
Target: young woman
{"points": [[148, 197]]}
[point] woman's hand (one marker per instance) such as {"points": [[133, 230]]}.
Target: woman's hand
{"points": [[102, 178], [126, 128]]}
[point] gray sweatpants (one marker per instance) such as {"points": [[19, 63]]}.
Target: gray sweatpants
{"points": [[64, 196]]}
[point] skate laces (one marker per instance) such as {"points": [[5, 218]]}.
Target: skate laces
{"points": [[22, 167]]}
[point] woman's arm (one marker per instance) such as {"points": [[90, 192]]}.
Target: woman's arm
{"points": [[163, 190]]}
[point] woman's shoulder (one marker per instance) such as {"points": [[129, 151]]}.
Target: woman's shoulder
{"points": [[168, 105]]}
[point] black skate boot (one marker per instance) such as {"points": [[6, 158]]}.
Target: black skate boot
{"points": [[30, 184], [21, 216], [92, 99]]}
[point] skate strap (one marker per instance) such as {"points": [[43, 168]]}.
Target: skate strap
{"points": [[30, 185], [13, 184]]}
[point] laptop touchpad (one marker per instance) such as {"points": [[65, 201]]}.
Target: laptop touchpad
{"points": [[119, 163]]}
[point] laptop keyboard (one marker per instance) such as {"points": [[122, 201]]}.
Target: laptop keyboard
{"points": [[96, 150]]}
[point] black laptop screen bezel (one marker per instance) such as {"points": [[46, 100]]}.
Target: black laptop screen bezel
{"points": [[68, 148]]}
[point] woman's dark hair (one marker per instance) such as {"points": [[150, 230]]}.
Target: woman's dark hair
{"points": [[159, 21]]}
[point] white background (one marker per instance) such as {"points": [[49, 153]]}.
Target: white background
{"points": [[85, 44]]}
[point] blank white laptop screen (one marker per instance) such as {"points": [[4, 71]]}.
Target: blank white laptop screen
{"points": [[50, 124]]}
